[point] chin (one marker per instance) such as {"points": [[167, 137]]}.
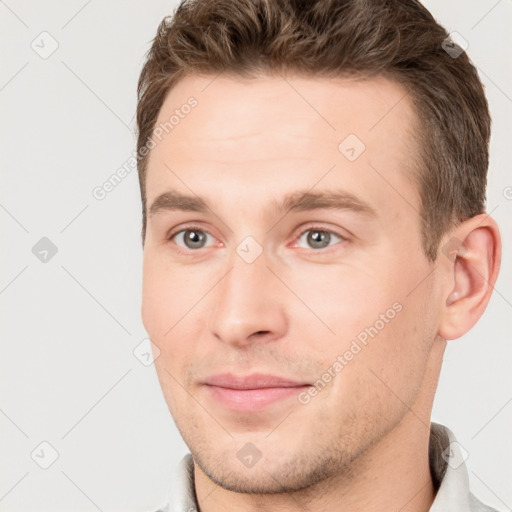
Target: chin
{"points": [[270, 475]]}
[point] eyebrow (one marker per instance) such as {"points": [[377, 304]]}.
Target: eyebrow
{"points": [[301, 200]]}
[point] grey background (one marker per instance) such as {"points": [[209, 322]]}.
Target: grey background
{"points": [[70, 325]]}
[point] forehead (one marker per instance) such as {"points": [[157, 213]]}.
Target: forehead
{"points": [[250, 134]]}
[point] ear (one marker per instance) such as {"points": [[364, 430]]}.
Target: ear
{"points": [[470, 257]]}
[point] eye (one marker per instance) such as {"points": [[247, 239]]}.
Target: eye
{"points": [[319, 238], [191, 238]]}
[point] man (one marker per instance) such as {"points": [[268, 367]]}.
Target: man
{"points": [[313, 183]]}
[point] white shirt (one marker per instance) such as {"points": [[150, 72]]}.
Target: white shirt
{"points": [[447, 467]]}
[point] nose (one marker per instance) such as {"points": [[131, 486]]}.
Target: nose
{"points": [[248, 307]]}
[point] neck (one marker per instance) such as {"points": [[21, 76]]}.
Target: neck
{"points": [[394, 474]]}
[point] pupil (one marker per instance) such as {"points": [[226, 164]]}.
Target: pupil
{"points": [[319, 239]]}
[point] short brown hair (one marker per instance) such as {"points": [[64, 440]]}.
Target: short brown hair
{"points": [[398, 39]]}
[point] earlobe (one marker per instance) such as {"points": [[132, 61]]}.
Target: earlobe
{"points": [[471, 260]]}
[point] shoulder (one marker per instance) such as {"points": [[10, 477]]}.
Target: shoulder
{"points": [[475, 505]]}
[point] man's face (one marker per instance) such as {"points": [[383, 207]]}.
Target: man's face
{"points": [[340, 296]]}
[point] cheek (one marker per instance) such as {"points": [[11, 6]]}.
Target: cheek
{"points": [[168, 297], [379, 380], [380, 336], [167, 293], [150, 293], [345, 299], [394, 361]]}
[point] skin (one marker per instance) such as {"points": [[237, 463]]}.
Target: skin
{"points": [[362, 442]]}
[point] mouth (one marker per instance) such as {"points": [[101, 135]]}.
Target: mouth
{"points": [[251, 393]]}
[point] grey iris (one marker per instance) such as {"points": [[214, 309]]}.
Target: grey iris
{"points": [[194, 239], [318, 239]]}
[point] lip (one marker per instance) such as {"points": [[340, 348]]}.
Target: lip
{"points": [[251, 393], [253, 381]]}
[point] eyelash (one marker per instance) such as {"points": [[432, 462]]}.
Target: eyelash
{"points": [[343, 239]]}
